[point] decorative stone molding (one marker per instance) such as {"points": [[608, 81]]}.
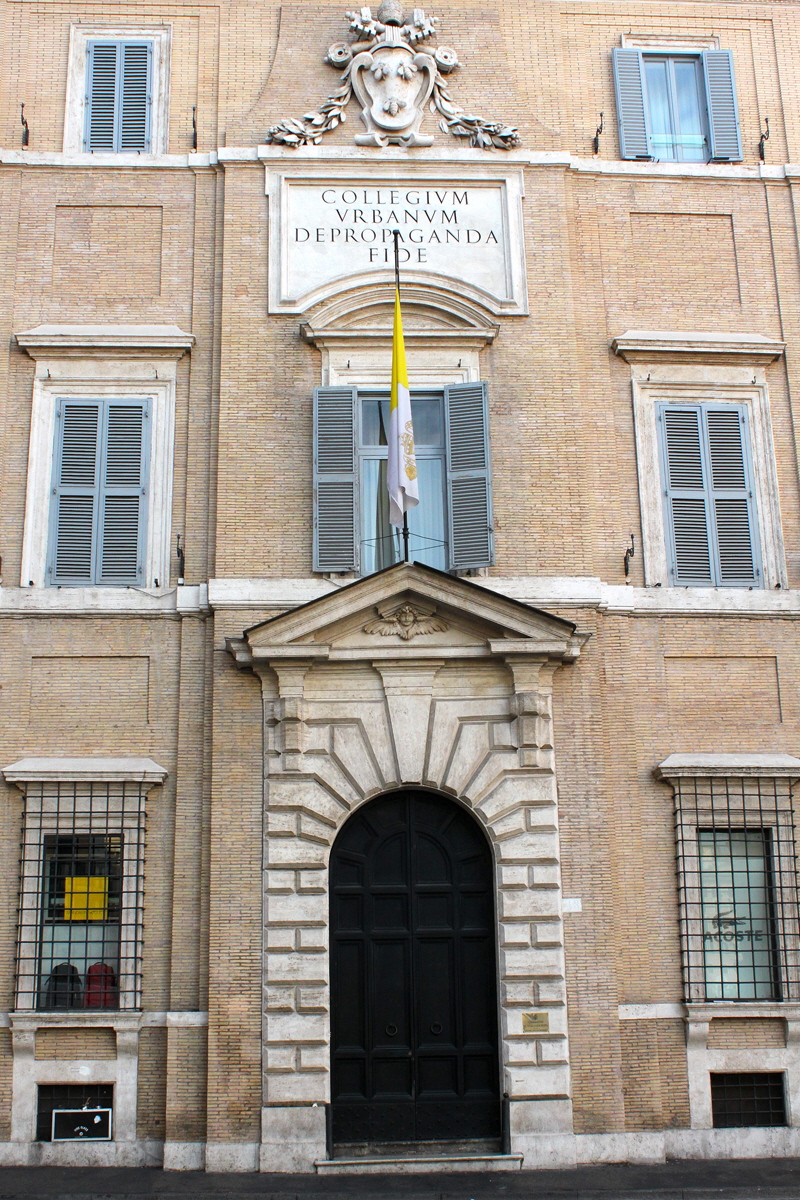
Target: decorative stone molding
{"points": [[393, 82], [105, 341], [407, 621], [348, 715], [641, 345]]}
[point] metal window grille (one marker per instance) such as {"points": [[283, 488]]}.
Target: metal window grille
{"points": [[737, 878], [81, 897], [748, 1098], [59, 1096]]}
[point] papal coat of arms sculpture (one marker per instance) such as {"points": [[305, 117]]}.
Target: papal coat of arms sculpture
{"points": [[395, 82]]}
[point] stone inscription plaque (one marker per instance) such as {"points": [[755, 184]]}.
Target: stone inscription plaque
{"points": [[329, 233]]}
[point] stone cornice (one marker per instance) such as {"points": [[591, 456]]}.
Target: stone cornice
{"points": [[729, 766], [648, 345], [85, 770], [105, 341]]}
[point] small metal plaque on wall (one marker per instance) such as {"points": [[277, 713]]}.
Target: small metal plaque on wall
{"points": [[535, 1022]]}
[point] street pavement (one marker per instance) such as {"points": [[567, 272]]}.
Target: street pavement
{"points": [[743, 1179]]}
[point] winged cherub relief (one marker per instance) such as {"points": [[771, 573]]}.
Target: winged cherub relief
{"points": [[406, 622], [393, 80]]}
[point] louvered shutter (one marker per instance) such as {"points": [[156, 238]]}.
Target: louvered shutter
{"points": [[733, 509], [99, 503], [118, 96], [75, 489], [723, 111], [122, 509], [101, 96], [632, 120], [335, 479], [135, 103], [469, 476], [709, 501]]}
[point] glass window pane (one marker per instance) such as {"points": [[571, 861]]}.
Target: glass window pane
{"points": [[79, 965], [738, 939], [381, 543], [661, 129], [427, 418], [425, 413], [690, 120], [374, 422]]}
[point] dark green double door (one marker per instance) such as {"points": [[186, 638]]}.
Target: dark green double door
{"points": [[413, 962]]}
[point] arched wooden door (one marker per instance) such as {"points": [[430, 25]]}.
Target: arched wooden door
{"points": [[413, 975]]}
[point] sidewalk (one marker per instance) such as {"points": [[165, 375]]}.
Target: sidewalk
{"points": [[744, 1179]]}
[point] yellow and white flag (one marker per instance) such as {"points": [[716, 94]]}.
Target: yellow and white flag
{"points": [[402, 473]]}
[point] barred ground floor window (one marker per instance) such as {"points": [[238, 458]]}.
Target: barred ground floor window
{"points": [[737, 876], [81, 882]]}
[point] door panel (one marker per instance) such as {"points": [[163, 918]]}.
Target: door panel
{"points": [[413, 975]]}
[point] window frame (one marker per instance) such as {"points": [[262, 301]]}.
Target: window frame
{"points": [[337, 480], [75, 118], [112, 380], [372, 453], [670, 58], [655, 383], [709, 493], [724, 802], [88, 807]]}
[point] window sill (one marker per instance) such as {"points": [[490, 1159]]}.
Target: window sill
{"points": [[708, 1010], [88, 601]]}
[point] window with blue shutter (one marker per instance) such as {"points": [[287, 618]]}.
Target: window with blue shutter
{"points": [[99, 494], [677, 107], [709, 504], [119, 79], [450, 528]]}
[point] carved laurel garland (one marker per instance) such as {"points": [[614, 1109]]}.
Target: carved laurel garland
{"points": [[383, 35]]}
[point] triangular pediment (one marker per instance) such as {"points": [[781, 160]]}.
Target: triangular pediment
{"points": [[408, 610]]}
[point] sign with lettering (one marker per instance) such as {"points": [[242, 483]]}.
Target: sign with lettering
{"points": [[535, 1022], [327, 234]]}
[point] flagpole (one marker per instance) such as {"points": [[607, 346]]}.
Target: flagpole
{"points": [[396, 235]]}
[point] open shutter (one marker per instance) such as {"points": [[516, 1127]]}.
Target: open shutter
{"points": [[723, 112], [135, 99], [75, 489], [634, 141], [469, 476], [335, 479], [101, 96], [689, 534], [732, 495], [123, 495]]}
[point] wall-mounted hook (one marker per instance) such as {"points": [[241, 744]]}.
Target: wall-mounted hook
{"points": [[763, 139], [629, 554], [180, 552], [25, 131], [596, 139]]}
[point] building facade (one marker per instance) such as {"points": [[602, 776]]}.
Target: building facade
{"points": [[318, 859]]}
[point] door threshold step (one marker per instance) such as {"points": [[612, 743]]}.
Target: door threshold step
{"points": [[417, 1164]]}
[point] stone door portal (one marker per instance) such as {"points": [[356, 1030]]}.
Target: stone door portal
{"points": [[414, 979]]}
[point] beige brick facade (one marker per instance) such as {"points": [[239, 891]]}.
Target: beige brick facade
{"points": [[266, 711]]}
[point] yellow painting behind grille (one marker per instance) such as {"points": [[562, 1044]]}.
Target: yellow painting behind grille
{"points": [[85, 898]]}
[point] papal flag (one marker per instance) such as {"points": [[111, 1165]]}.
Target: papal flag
{"points": [[402, 473]]}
